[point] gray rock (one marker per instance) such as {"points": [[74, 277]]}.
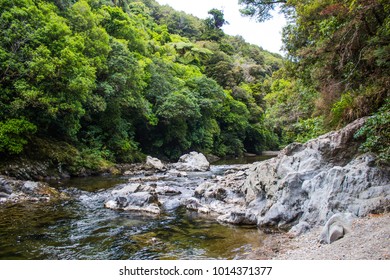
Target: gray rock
{"points": [[177, 173], [5, 188], [167, 191], [335, 232], [126, 189], [212, 158], [4, 195], [171, 204], [304, 185], [30, 187], [192, 162], [235, 217], [194, 205], [300, 228], [142, 199], [336, 227], [154, 163], [16, 191], [134, 197]]}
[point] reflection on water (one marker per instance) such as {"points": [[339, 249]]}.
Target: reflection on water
{"points": [[82, 228]]}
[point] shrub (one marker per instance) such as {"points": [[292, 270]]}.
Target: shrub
{"points": [[14, 135], [377, 134]]}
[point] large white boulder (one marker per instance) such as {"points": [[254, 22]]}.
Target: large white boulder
{"points": [[193, 161], [154, 163]]}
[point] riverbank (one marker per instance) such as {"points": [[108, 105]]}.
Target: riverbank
{"points": [[369, 239], [325, 181]]}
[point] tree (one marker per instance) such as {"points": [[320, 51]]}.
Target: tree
{"points": [[214, 24], [260, 9], [108, 82], [217, 19], [339, 48]]}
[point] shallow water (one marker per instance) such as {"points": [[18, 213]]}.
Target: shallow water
{"points": [[82, 228], [241, 160]]}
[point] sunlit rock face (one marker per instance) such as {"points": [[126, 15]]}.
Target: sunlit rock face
{"points": [[308, 183], [192, 162], [304, 185]]}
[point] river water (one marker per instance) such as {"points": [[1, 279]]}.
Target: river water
{"points": [[81, 228]]}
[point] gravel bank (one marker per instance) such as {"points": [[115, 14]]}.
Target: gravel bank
{"points": [[368, 240]]}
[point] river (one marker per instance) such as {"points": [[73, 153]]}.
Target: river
{"points": [[81, 228]]}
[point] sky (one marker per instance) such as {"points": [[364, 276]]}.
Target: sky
{"points": [[268, 35]]}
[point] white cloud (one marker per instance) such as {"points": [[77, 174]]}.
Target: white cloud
{"points": [[267, 35]]}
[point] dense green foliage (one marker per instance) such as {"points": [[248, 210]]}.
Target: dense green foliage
{"points": [[338, 68], [377, 134], [88, 82], [114, 80]]}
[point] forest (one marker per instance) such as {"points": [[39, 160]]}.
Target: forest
{"points": [[89, 83]]}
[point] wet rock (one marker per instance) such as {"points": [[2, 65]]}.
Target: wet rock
{"points": [[192, 162], [194, 205], [250, 155], [30, 187], [177, 173], [300, 188], [270, 153], [223, 197], [212, 158], [154, 163], [126, 189], [17, 191], [4, 187], [237, 218], [171, 203], [134, 197], [167, 190], [142, 199], [4, 195]]}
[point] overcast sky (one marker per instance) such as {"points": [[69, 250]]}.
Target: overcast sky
{"points": [[267, 35]]}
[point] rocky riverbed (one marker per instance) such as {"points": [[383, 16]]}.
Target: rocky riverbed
{"points": [[17, 191], [320, 187]]}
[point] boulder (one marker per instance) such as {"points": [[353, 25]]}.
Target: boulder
{"points": [[194, 205], [167, 191], [171, 204], [134, 197], [17, 191], [4, 187], [336, 227], [212, 158], [222, 196], [235, 218], [154, 163], [192, 162], [177, 173]]}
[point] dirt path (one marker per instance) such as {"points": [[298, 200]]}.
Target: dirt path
{"points": [[368, 240]]}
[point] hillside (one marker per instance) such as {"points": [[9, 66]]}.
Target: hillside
{"points": [[85, 84]]}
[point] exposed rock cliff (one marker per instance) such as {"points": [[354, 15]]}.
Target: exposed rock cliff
{"points": [[307, 183]]}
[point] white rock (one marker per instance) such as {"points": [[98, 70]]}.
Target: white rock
{"points": [[192, 162], [154, 163]]}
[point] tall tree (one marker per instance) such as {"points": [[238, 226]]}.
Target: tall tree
{"points": [[260, 9]]}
